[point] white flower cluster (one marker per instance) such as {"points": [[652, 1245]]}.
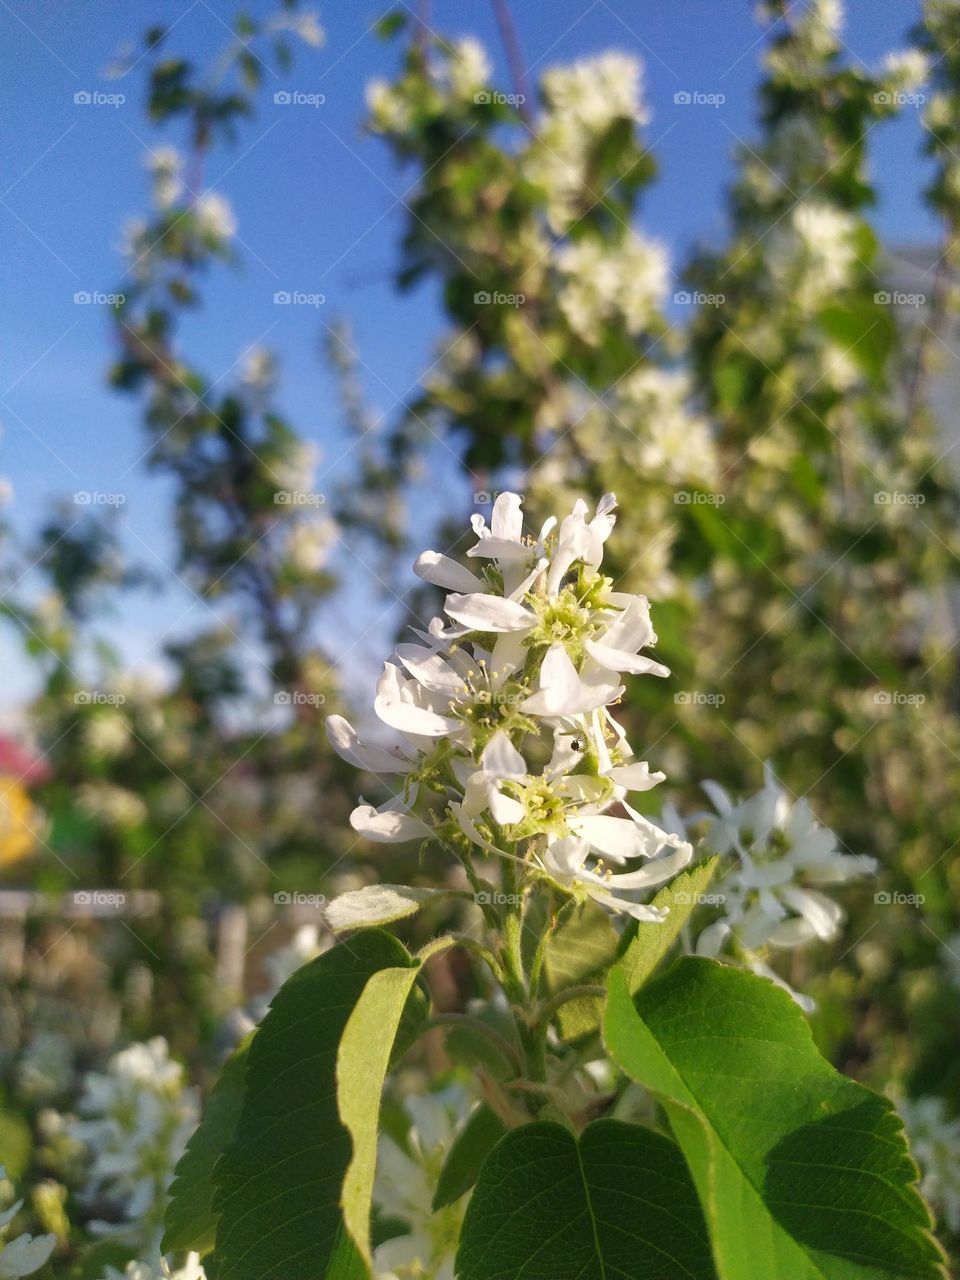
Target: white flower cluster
{"points": [[815, 252], [772, 895], [601, 284], [502, 711], [25, 1254], [935, 1143], [581, 102], [115, 806], [136, 1119], [191, 1270], [404, 1187]]}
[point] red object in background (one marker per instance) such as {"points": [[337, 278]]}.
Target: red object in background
{"points": [[17, 761]]}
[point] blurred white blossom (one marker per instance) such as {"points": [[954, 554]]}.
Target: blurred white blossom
{"points": [[935, 1143], [135, 1119]]}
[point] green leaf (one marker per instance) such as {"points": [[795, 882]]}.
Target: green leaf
{"points": [[278, 1182], [583, 947], [191, 1223], [803, 1174], [865, 330], [376, 904], [362, 1063], [650, 943], [618, 1202], [470, 1148]]}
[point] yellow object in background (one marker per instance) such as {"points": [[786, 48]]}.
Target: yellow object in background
{"points": [[20, 822]]}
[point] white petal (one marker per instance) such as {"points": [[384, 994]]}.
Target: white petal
{"points": [[504, 809], [631, 629], [620, 838], [445, 572], [710, 941], [26, 1254], [655, 872], [489, 613], [387, 825], [429, 669], [639, 911], [501, 759], [565, 857], [635, 664], [822, 914], [508, 654], [501, 549], [507, 518], [562, 692], [636, 776], [409, 718], [345, 741], [718, 796]]}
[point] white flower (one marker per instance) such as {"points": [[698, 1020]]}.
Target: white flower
{"points": [[784, 858], [25, 1254], [596, 91], [533, 659], [815, 253], [166, 165], [309, 542], [466, 69], [191, 1270], [404, 1190], [581, 102], [45, 1068], [935, 1142], [907, 69], [112, 805], [215, 216], [135, 1119], [566, 860], [624, 285]]}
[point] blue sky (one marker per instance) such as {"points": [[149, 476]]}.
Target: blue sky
{"points": [[317, 205]]}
